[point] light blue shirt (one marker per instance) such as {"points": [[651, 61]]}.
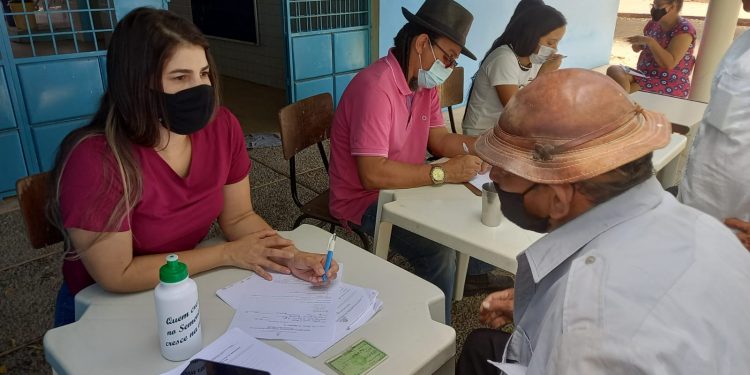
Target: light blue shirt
{"points": [[640, 284]]}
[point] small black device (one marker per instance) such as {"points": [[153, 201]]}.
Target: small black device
{"points": [[206, 367]]}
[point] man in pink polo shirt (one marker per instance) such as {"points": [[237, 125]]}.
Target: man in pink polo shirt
{"points": [[388, 118]]}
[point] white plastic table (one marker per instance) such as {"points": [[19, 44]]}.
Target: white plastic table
{"points": [[117, 333], [685, 116], [667, 160], [449, 214], [681, 112]]}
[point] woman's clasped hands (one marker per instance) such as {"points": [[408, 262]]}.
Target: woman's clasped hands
{"points": [[266, 250]]}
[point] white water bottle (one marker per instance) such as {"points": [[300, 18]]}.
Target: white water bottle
{"points": [[177, 312]]}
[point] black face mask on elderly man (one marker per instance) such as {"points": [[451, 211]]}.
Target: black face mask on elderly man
{"points": [[189, 110], [512, 207]]}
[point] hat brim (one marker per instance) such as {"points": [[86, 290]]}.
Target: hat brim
{"points": [[651, 133], [418, 20]]}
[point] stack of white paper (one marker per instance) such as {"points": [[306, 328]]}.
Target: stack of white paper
{"points": [[238, 348], [285, 308], [309, 318], [356, 306]]}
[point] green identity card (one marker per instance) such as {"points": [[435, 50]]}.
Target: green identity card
{"points": [[358, 359]]}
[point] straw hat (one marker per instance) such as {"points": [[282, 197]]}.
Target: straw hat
{"points": [[571, 125], [445, 17]]}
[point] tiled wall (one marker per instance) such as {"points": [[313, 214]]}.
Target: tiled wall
{"points": [[263, 63]]}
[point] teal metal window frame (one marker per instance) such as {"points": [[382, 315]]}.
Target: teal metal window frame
{"points": [[84, 14]]}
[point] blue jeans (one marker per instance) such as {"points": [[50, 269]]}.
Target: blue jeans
{"points": [[432, 261], [64, 307]]}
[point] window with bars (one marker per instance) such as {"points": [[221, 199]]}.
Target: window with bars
{"points": [[320, 15], [57, 27]]}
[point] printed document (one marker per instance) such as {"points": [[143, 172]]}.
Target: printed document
{"points": [[238, 348], [356, 306], [285, 308]]}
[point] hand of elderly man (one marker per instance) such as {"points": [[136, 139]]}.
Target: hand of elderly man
{"points": [[497, 309], [461, 168], [743, 230]]}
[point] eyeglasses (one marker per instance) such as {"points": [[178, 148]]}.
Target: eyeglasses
{"points": [[452, 63]]}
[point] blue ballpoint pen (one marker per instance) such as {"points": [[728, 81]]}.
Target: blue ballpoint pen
{"points": [[329, 256]]}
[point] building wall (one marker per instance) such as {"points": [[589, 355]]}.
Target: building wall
{"points": [[587, 41], [264, 63]]}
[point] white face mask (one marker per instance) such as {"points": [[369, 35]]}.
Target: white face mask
{"points": [[434, 77], [545, 52]]}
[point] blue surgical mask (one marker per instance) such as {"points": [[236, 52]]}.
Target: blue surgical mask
{"points": [[434, 77]]}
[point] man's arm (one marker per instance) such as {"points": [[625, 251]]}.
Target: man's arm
{"points": [[441, 142], [377, 172], [370, 149]]}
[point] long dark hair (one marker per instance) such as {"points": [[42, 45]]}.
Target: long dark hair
{"points": [[531, 21], [402, 43], [523, 32], [524, 5], [129, 112]]}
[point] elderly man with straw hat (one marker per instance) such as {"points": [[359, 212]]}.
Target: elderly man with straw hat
{"points": [[628, 280]]}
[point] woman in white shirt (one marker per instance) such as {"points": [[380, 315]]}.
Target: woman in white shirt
{"points": [[527, 47]]}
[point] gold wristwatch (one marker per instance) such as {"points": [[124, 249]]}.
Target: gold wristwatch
{"points": [[437, 174]]}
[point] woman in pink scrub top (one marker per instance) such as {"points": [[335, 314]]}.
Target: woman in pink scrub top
{"points": [[157, 165]]}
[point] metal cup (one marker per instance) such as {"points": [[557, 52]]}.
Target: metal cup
{"points": [[490, 205]]}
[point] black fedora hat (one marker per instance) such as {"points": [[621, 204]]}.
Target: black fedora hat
{"points": [[445, 17]]}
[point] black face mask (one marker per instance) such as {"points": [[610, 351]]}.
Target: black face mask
{"points": [[189, 110], [511, 205], [658, 13]]}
